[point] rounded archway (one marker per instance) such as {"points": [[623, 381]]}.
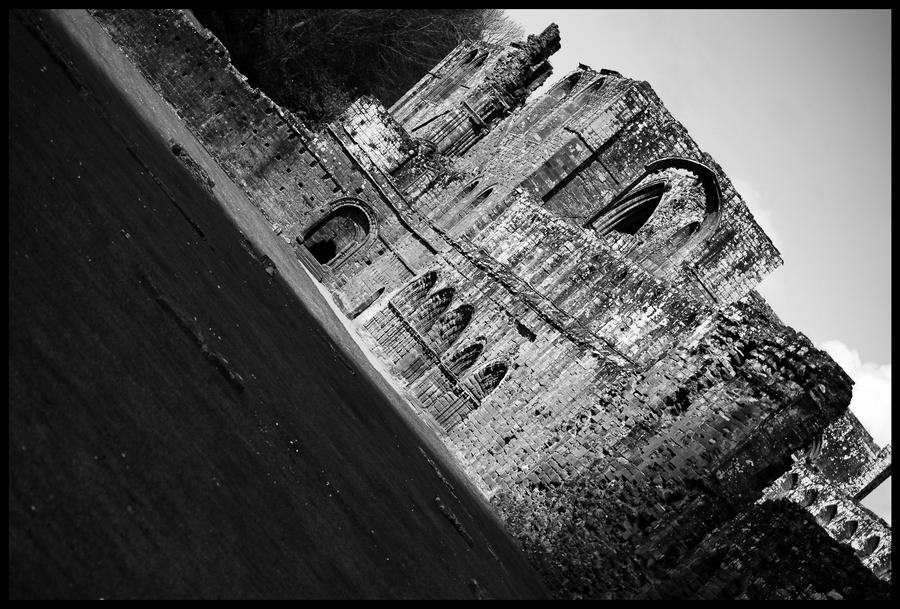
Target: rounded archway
{"points": [[344, 230]]}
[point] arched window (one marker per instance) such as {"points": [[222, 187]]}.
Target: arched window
{"points": [[464, 193], [790, 481], [407, 300], [462, 360], [637, 209], [827, 514], [680, 237], [809, 497], [483, 382], [634, 206], [461, 208], [869, 545], [848, 529], [344, 230], [431, 308], [451, 325]]}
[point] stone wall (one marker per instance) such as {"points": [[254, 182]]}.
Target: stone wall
{"points": [[772, 551], [617, 393], [830, 479], [577, 148]]}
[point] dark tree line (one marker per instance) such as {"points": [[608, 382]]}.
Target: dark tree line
{"points": [[317, 61]]}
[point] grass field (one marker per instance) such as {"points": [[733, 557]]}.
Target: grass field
{"points": [[182, 424]]}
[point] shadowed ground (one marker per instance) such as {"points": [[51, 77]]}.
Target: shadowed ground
{"points": [[181, 423]]}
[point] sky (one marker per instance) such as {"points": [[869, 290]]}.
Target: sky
{"points": [[795, 107]]}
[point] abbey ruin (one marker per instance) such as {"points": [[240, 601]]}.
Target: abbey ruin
{"points": [[563, 285]]}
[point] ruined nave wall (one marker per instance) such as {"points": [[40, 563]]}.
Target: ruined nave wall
{"points": [[579, 145], [557, 409]]}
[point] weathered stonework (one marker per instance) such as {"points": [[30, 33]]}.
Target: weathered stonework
{"points": [[565, 289], [830, 479]]}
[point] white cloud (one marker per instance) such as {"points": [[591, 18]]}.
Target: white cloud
{"points": [[763, 216], [871, 401]]}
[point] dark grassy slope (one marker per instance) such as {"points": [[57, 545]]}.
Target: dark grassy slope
{"points": [[179, 424]]}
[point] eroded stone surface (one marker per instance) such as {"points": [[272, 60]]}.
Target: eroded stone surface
{"points": [[566, 289]]}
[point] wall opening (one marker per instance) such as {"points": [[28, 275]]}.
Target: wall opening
{"points": [[431, 308], [672, 249], [483, 382], [524, 331], [809, 497], [464, 359], [790, 481], [827, 514], [407, 300], [869, 545], [848, 529], [638, 209], [452, 325], [342, 232]]}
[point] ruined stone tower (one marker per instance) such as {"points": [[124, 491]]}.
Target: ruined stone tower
{"points": [[563, 285]]}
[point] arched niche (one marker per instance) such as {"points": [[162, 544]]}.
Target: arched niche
{"points": [[868, 546], [671, 249], [808, 497], [848, 529], [345, 229], [450, 326], [790, 481], [408, 299], [487, 378], [431, 308], [827, 514], [465, 358]]}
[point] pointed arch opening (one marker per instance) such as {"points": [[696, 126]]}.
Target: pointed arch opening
{"points": [[463, 359], [483, 382], [790, 481], [431, 308], [827, 514], [637, 209], [470, 56], [622, 204], [848, 529], [809, 497], [451, 325], [869, 545], [408, 299]]}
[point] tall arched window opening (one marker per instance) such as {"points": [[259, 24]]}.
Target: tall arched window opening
{"points": [[638, 209]]}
